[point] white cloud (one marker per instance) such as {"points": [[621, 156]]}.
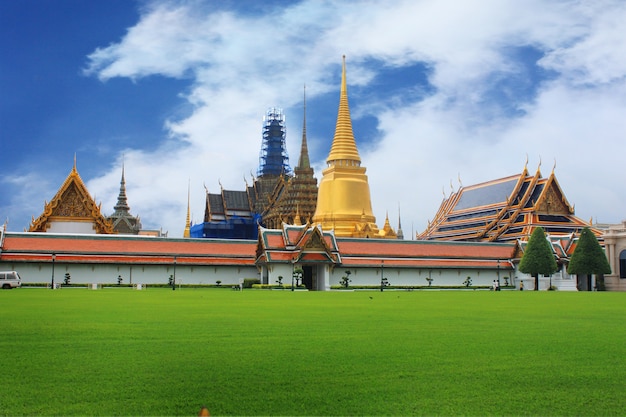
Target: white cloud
{"points": [[240, 65], [599, 54]]}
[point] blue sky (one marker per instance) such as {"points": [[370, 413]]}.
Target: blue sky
{"points": [[439, 91]]}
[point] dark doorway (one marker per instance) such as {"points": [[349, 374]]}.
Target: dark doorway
{"points": [[307, 277]]}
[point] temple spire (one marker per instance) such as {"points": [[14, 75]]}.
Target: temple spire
{"points": [[344, 145], [122, 201], [400, 233], [186, 233], [303, 162], [343, 198]]}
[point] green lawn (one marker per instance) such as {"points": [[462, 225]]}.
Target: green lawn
{"points": [[163, 352]]}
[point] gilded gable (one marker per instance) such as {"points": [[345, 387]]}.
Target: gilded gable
{"points": [[552, 201], [72, 209], [72, 204], [315, 242]]}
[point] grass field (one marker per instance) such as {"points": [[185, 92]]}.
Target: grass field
{"points": [[163, 352]]}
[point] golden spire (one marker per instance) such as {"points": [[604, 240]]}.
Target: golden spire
{"points": [[343, 197], [344, 145], [186, 233], [297, 220]]}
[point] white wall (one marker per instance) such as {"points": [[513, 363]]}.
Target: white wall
{"points": [[230, 275], [135, 274], [72, 227], [417, 277]]}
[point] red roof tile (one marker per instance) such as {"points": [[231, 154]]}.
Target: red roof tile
{"points": [[111, 249], [424, 249]]}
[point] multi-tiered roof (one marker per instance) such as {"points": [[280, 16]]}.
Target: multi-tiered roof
{"points": [[505, 209]]}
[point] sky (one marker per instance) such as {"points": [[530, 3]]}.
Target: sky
{"points": [[442, 94]]}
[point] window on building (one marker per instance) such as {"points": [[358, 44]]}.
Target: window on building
{"points": [[622, 264]]}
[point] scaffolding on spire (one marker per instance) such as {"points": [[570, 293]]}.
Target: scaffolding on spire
{"points": [[273, 159]]}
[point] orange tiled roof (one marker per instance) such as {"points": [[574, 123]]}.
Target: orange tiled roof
{"points": [[420, 254], [313, 246], [126, 249], [279, 246]]}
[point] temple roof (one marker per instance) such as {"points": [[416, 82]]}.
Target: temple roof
{"points": [[72, 203], [296, 244], [291, 244], [425, 254], [505, 209], [226, 205], [309, 244], [126, 249]]}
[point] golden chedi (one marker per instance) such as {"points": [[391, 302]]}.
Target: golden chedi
{"points": [[343, 200]]}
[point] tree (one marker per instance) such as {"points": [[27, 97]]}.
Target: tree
{"points": [[345, 280], [589, 258], [538, 257]]}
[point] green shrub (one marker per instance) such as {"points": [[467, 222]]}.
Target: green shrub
{"points": [[268, 287], [249, 282]]}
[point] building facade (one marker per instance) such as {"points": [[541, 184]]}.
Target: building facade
{"points": [[615, 247]]}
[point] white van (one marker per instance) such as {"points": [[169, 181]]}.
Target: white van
{"points": [[10, 279]]}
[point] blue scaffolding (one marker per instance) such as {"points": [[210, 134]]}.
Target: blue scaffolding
{"points": [[273, 159]]}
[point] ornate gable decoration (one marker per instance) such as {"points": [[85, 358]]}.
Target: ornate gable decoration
{"points": [[552, 200], [260, 246], [314, 241], [313, 247], [72, 202]]}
